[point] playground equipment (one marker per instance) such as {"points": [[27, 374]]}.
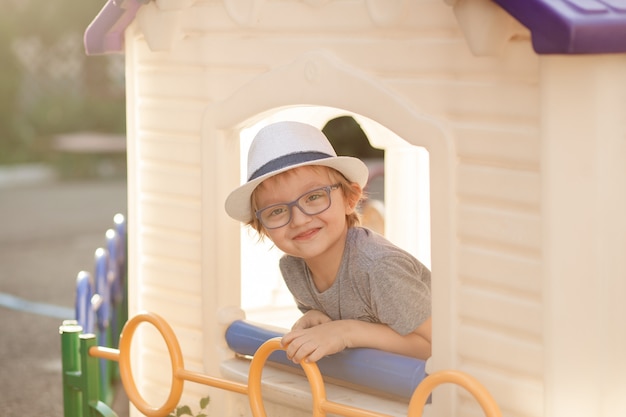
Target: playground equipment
{"points": [[519, 106], [90, 370], [92, 361], [80, 370]]}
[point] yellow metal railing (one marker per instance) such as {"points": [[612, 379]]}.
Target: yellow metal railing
{"points": [[321, 405]]}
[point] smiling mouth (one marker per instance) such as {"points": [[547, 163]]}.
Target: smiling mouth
{"points": [[307, 234]]}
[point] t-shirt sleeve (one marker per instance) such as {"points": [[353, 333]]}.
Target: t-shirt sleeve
{"points": [[400, 290]]}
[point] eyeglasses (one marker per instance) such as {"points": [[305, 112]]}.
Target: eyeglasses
{"points": [[310, 203]]}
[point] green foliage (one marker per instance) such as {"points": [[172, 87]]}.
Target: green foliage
{"points": [[185, 410], [43, 91]]}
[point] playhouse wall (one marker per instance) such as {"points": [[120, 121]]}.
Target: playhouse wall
{"points": [[584, 233], [478, 117]]}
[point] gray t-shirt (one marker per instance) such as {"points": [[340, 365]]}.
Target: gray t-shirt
{"points": [[377, 282]]}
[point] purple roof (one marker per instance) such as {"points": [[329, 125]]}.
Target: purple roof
{"points": [[556, 26], [572, 26], [105, 34]]}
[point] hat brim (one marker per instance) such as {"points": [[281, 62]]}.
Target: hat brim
{"points": [[238, 203]]}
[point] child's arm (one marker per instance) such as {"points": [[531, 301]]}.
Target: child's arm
{"points": [[331, 337]]}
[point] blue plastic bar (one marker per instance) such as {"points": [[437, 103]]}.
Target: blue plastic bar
{"points": [[372, 369]]}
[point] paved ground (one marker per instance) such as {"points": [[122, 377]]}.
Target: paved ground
{"points": [[49, 231]]}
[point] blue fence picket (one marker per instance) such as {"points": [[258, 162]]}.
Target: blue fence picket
{"points": [[101, 306], [85, 314]]}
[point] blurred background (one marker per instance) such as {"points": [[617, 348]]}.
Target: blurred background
{"points": [[62, 179], [50, 88]]}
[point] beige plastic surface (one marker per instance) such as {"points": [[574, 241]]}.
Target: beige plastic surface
{"points": [[527, 171]]}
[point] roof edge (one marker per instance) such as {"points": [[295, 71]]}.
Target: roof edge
{"points": [[105, 34], [572, 26], [556, 26]]}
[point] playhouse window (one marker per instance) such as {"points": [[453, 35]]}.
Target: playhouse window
{"points": [[397, 206]]}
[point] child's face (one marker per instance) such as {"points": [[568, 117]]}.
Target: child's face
{"points": [[306, 236]]}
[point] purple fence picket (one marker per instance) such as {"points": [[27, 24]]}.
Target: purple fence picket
{"points": [[85, 314]]}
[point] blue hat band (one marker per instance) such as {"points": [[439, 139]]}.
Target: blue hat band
{"points": [[287, 161]]}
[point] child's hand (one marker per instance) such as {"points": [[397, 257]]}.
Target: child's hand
{"points": [[310, 319], [327, 338], [313, 343]]}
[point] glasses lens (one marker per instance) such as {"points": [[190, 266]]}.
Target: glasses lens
{"points": [[315, 202], [275, 216]]}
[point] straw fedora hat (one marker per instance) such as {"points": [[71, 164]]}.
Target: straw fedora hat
{"points": [[283, 146]]}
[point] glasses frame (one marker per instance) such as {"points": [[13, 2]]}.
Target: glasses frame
{"points": [[294, 203]]}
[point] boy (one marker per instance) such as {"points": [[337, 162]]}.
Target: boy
{"points": [[355, 288]]}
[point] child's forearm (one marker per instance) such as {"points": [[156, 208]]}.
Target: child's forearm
{"points": [[383, 337]]}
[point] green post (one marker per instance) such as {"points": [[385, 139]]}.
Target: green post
{"points": [[105, 367], [81, 374], [70, 351], [90, 383]]}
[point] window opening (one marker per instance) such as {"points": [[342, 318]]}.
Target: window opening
{"points": [[398, 204]]}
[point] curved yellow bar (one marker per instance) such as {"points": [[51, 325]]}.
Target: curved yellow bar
{"points": [[425, 388], [179, 373], [321, 405], [254, 380], [176, 359], [254, 376]]}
